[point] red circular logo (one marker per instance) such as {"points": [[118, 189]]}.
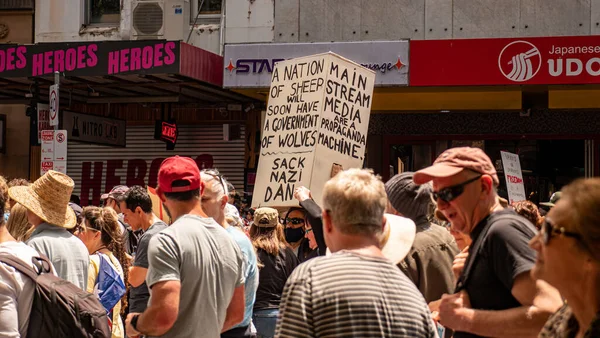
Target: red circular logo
{"points": [[60, 137]]}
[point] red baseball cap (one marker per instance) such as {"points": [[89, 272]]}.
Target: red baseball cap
{"points": [[178, 169], [455, 160]]}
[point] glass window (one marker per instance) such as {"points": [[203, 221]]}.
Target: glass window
{"points": [[210, 6], [104, 11]]}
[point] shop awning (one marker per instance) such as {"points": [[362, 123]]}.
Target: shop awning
{"points": [[115, 72]]}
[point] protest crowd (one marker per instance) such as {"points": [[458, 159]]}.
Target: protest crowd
{"points": [[432, 253]]}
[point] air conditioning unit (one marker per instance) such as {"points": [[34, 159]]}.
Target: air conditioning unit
{"points": [[160, 19]]}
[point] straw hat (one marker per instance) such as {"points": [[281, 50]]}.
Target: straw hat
{"points": [[48, 198]]}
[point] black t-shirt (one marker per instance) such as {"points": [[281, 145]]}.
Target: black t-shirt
{"points": [[272, 277], [503, 255]]}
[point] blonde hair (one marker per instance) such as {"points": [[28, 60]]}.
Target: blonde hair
{"points": [[356, 199], [233, 221], [18, 226], [583, 196]]}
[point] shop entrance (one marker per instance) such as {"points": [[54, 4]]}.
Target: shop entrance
{"points": [[547, 164]]}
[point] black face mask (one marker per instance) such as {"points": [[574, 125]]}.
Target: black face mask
{"points": [[294, 235]]}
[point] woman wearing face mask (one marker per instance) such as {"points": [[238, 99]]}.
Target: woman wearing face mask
{"points": [[295, 225]]}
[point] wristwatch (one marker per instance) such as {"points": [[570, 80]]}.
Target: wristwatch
{"points": [[134, 321]]}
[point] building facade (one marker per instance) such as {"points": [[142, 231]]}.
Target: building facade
{"points": [[16, 27], [460, 86], [138, 81]]}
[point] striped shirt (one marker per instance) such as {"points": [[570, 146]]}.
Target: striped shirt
{"points": [[352, 295]]}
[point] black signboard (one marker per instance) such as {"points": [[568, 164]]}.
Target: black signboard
{"points": [[94, 129], [90, 58]]}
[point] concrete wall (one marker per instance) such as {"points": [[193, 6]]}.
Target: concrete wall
{"points": [[15, 26], [15, 163], [63, 20], [348, 20], [244, 21], [249, 20]]}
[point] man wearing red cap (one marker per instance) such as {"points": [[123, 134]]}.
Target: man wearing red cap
{"points": [[495, 294], [195, 273]]}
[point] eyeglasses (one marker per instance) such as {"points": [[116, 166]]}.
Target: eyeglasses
{"points": [[217, 176], [548, 229], [307, 230], [295, 221], [450, 193]]}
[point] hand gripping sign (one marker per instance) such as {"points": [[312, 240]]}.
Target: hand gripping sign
{"points": [[316, 125]]}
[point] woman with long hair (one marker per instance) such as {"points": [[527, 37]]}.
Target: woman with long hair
{"points": [[101, 234], [18, 225], [276, 262]]}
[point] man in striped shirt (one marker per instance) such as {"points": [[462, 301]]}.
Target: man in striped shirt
{"points": [[356, 291]]}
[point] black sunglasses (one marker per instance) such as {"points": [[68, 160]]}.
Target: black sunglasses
{"points": [[450, 193], [295, 221], [548, 229]]}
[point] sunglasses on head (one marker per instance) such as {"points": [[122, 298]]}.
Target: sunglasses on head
{"points": [[549, 229], [217, 176], [450, 193], [295, 221]]}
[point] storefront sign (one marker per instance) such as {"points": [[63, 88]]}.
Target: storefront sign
{"points": [[166, 131], [43, 119], [251, 65], [316, 125], [94, 129], [138, 171], [514, 177], [90, 58], [474, 62]]}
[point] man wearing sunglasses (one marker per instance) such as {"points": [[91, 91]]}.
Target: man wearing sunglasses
{"points": [[495, 294]]}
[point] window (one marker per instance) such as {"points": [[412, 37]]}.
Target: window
{"points": [[211, 9], [104, 12]]}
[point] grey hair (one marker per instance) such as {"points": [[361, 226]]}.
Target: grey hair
{"points": [[218, 182], [356, 200]]}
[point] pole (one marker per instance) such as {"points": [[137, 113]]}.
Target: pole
{"points": [[57, 83]]}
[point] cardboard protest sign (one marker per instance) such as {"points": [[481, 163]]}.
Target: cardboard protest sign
{"points": [[315, 126], [514, 177]]}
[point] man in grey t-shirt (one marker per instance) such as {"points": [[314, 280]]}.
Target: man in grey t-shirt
{"points": [[137, 209], [195, 273]]}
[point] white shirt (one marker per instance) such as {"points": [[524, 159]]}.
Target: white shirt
{"points": [[16, 292]]}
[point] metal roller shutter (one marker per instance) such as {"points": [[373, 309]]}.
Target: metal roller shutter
{"points": [[85, 160]]}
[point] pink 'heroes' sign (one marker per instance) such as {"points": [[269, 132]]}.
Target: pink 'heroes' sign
{"points": [[89, 58]]}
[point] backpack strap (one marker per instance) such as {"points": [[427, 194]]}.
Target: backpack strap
{"points": [[42, 263], [475, 249]]}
